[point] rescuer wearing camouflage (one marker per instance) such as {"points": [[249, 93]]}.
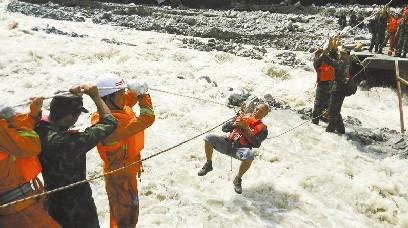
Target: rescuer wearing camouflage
{"points": [[337, 91], [378, 26], [323, 83], [63, 156], [403, 37]]}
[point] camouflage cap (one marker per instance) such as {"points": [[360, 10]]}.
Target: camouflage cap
{"points": [[68, 102]]}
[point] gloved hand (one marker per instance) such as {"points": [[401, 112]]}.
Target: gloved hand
{"points": [[6, 112], [138, 87]]}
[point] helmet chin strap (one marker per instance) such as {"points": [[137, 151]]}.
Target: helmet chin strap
{"points": [[113, 103]]}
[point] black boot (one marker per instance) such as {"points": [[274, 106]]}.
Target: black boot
{"points": [[404, 55], [206, 168], [237, 184], [341, 129]]}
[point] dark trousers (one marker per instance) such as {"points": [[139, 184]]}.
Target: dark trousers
{"points": [[335, 118], [373, 40], [321, 101], [74, 207]]}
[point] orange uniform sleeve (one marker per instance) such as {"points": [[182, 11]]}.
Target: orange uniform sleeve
{"points": [[18, 138], [132, 125], [131, 98]]}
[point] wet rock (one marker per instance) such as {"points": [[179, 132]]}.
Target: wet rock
{"points": [[286, 58], [53, 30], [205, 78], [364, 85], [237, 99], [353, 121], [262, 29], [272, 102], [113, 41]]}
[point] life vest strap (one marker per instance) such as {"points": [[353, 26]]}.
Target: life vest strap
{"points": [[15, 193], [114, 145]]}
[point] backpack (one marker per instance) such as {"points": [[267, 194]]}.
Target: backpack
{"points": [[351, 87]]}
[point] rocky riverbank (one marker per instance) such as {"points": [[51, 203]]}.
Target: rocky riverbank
{"points": [[294, 28]]}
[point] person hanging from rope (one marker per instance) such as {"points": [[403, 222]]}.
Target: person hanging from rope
{"points": [[123, 146], [19, 167], [245, 132], [63, 155], [337, 91]]}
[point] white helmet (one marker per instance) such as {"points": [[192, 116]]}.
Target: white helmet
{"points": [[109, 80]]}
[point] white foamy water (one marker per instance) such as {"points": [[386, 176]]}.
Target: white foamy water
{"points": [[304, 178]]}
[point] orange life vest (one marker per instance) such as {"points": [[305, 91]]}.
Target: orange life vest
{"points": [[29, 167], [326, 72], [392, 24], [132, 145], [254, 125]]}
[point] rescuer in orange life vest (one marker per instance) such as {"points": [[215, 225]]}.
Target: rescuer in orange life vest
{"points": [[246, 132], [391, 31], [19, 167], [123, 146], [323, 82]]}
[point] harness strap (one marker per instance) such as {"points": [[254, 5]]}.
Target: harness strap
{"points": [[15, 193]]}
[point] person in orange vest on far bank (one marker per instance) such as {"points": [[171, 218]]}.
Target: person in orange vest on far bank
{"points": [[19, 167], [391, 31], [123, 146]]}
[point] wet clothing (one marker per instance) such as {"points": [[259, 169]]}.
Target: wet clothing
{"points": [[378, 27], [322, 88], [63, 159], [225, 145], [122, 148], [19, 167], [337, 91], [322, 100]]}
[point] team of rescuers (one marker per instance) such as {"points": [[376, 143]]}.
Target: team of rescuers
{"points": [[31, 144]]}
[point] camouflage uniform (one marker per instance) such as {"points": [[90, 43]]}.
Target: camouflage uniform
{"points": [[322, 92], [63, 159], [341, 69], [403, 38], [378, 27]]}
